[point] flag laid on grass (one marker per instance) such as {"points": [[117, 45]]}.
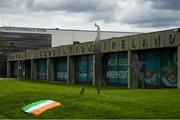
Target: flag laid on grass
{"points": [[38, 107]]}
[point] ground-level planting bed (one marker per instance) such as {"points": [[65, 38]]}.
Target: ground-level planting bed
{"points": [[112, 103]]}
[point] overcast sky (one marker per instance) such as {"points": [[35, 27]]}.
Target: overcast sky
{"points": [[111, 15]]}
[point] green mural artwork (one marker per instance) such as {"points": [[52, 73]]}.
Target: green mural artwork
{"points": [[161, 68], [169, 68], [152, 69]]}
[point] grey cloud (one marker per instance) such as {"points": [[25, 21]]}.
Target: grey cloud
{"points": [[166, 4], [96, 9], [73, 5], [18, 4], [154, 13]]}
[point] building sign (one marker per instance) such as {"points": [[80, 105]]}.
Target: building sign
{"points": [[134, 42], [123, 44], [172, 38], [145, 41], [161, 39], [158, 40], [105, 46], [114, 44]]}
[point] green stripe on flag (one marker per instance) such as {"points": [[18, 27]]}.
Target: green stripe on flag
{"points": [[27, 107]]}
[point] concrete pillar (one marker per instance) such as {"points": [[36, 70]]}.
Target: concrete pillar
{"points": [[33, 69], [23, 70], [50, 69], [129, 69], [94, 70], [19, 69], [68, 67], [8, 69], [178, 67], [71, 70], [133, 71]]}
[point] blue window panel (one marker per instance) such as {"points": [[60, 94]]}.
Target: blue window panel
{"points": [[42, 69]]}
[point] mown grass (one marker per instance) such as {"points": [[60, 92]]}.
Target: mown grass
{"points": [[112, 103]]}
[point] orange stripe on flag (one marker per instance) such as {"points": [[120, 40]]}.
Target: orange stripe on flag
{"points": [[38, 111]]}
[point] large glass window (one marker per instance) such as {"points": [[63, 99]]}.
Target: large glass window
{"points": [[115, 69], [14, 69], [60, 69], [84, 69], [42, 69]]}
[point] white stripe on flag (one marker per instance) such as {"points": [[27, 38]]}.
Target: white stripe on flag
{"points": [[39, 106]]}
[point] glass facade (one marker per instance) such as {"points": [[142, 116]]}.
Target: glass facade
{"points": [[60, 69], [84, 69], [27, 69], [115, 69], [14, 70], [42, 69]]}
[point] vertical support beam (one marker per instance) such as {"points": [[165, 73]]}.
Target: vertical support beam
{"points": [[178, 67], [8, 69], [94, 70], [19, 70], [71, 70], [68, 69], [33, 69], [133, 70], [129, 69], [23, 68], [50, 69]]}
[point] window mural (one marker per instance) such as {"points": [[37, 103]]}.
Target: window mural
{"points": [[60, 69], [84, 69], [161, 68], [115, 67], [169, 68], [152, 68], [42, 69]]}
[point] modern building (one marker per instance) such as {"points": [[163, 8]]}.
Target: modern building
{"points": [[17, 39], [146, 60], [11, 40]]}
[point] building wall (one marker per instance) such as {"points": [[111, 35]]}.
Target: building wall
{"points": [[64, 37], [145, 60], [16, 42]]}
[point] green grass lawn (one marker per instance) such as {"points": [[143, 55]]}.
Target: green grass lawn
{"points": [[112, 103]]}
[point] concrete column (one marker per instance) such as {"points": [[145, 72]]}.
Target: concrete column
{"points": [[94, 70], [178, 67], [133, 72], [33, 69], [8, 69], [19, 69], [50, 69], [23, 70], [129, 69], [71, 70], [68, 69]]}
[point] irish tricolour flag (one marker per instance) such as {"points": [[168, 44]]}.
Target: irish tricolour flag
{"points": [[38, 107]]}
